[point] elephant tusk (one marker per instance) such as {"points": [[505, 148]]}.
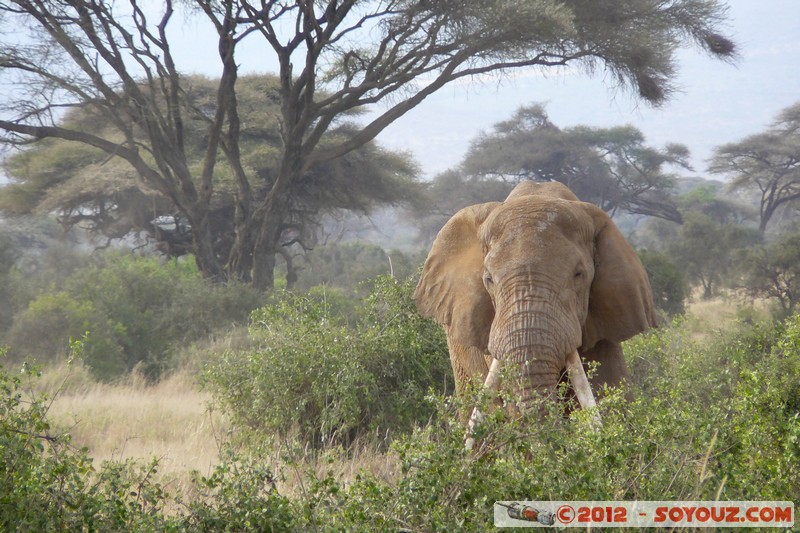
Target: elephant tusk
{"points": [[493, 377], [580, 383], [491, 383]]}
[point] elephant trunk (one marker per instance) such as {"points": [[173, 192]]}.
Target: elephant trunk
{"points": [[535, 330], [535, 333], [578, 377]]}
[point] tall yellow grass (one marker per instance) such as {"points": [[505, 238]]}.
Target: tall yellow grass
{"points": [[170, 421], [704, 317]]}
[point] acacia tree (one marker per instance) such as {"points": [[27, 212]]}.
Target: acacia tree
{"points": [[119, 60], [89, 190], [706, 248], [611, 167], [767, 162], [773, 271]]}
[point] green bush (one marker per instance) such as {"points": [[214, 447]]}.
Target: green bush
{"points": [[241, 495], [46, 326], [712, 420], [329, 380], [48, 485], [696, 431], [668, 282], [136, 310], [41, 266]]}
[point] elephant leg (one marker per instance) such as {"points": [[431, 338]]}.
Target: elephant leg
{"points": [[469, 363], [611, 370]]}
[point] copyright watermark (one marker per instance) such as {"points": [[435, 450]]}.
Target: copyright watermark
{"points": [[644, 514]]}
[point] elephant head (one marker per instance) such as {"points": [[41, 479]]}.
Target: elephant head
{"points": [[530, 282]]}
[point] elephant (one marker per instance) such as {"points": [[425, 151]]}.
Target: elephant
{"points": [[538, 281]]}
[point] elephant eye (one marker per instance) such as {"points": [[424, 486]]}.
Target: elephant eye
{"points": [[487, 280]]}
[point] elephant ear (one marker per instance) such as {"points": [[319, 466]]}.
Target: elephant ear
{"points": [[620, 298], [450, 288]]}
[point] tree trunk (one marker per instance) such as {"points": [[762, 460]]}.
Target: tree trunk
{"points": [[708, 293], [762, 226], [240, 259], [267, 241], [204, 254], [264, 268], [270, 216], [291, 269]]}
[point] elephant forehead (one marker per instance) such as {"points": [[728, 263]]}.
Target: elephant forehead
{"points": [[527, 219]]}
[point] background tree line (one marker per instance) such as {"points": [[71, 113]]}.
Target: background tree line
{"points": [[697, 233], [738, 234]]}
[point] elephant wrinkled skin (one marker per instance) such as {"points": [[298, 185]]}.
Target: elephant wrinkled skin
{"points": [[529, 281]]}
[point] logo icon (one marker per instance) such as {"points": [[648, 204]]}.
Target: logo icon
{"points": [[518, 511]]}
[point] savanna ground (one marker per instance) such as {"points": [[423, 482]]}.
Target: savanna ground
{"points": [[173, 421], [317, 424]]}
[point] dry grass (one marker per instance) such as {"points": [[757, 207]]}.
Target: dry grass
{"points": [[295, 465], [705, 317], [171, 421], [131, 420]]}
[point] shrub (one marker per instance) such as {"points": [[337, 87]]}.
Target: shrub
{"points": [[241, 495], [48, 485], [713, 421], [717, 420], [329, 380], [668, 282], [694, 433], [136, 311], [42, 267]]}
